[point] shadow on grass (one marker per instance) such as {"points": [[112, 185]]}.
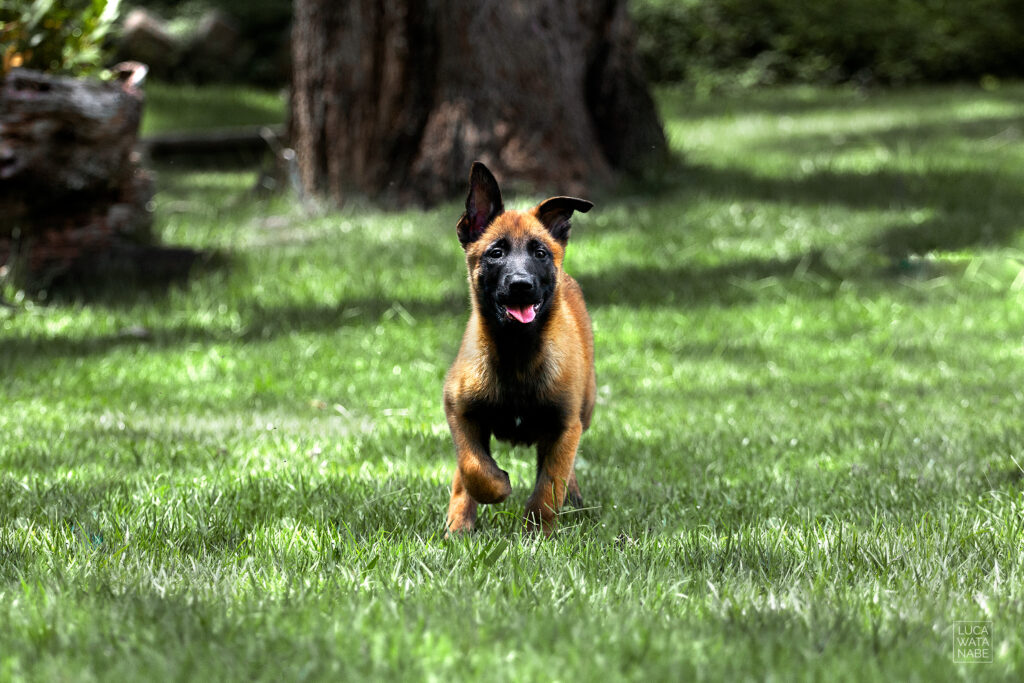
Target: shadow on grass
{"points": [[968, 207], [260, 324], [242, 510], [940, 190], [963, 208], [134, 272], [998, 130], [638, 287], [230, 511], [724, 285], [685, 105], [948, 232]]}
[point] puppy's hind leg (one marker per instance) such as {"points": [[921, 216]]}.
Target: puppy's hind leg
{"points": [[554, 472], [573, 493]]}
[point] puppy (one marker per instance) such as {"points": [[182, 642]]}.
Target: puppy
{"points": [[525, 369]]}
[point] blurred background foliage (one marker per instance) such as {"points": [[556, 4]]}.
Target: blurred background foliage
{"points": [[264, 24], [57, 36], [889, 42], [710, 43], [748, 42]]}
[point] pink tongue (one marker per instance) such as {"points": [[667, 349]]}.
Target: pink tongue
{"points": [[523, 314]]}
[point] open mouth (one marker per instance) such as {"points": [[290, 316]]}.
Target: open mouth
{"points": [[524, 314]]}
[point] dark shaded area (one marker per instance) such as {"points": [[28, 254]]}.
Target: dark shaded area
{"points": [[829, 41], [686, 106], [946, 233], [123, 272], [970, 207], [966, 208], [1008, 128], [243, 147], [969, 190], [264, 27], [971, 204], [218, 517], [620, 105], [723, 285], [261, 324], [230, 512]]}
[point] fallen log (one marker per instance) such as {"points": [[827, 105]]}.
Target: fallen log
{"points": [[71, 186]]}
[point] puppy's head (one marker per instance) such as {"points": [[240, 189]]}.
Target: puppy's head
{"points": [[513, 256]]}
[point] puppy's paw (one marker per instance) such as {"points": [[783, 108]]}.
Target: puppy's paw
{"points": [[498, 489], [458, 527], [492, 487], [537, 522]]}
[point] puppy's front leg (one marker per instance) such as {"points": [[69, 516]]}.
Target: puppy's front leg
{"points": [[479, 474], [555, 458], [461, 508], [477, 477]]}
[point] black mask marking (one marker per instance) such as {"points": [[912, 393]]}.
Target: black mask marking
{"points": [[516, 282]]}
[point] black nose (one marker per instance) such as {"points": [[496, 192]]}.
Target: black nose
{"points": [[520, 284]]}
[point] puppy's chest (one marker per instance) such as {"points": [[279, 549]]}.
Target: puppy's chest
{"points": [[519, 418]]}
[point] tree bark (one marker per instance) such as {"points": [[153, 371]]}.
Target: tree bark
{"points": [[396, 98], [70, 187]]}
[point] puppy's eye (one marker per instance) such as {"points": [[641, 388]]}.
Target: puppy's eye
{"points": [[541, 253], [496, 252]]}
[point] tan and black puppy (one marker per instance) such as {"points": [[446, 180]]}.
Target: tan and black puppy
{"points": [[525, 370]]}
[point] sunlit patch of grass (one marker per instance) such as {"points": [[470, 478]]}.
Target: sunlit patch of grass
{"points": [[805, 460]]}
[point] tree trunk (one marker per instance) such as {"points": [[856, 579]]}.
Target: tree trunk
{"points": [[398, 97], [71, 190]]}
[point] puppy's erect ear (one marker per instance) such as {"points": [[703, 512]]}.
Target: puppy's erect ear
{"points": [[483, 204], [555, 214]]}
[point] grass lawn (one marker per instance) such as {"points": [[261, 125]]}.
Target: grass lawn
{"points": [[805, 461], [186, 107]]}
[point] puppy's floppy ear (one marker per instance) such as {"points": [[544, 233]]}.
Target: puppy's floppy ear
{"points": [[483, 204], [555, 214]]}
